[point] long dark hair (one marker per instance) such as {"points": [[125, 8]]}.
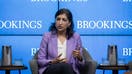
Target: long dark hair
{"points": [[69, 31]]}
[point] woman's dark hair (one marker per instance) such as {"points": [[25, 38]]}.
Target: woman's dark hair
{"points": [[69, 30]]}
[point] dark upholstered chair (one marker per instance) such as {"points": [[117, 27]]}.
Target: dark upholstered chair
{"points": [[90, 64]]}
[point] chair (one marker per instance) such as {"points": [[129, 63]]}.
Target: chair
{"points": [[90, 64], [130, 72], [130, 68]]}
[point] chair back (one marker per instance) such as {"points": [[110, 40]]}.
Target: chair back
{"points": [[86, 55]]}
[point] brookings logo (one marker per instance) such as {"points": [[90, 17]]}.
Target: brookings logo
{"points": [[127, 1], [104, 24], [59, 0], [20, 24]]}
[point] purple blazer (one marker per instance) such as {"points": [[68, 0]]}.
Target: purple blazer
{"points": [[48, 51]]}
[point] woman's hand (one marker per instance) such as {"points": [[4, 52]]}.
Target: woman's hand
{"points": [[59, 60], [77, 54]]}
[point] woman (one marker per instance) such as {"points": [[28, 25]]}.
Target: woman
{"points": [[60, 49]]}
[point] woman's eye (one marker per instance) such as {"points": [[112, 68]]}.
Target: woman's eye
{"points": [[58, 19], [64, 20]]}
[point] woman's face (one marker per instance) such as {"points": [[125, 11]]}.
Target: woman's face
{"points": [[62, 23]]}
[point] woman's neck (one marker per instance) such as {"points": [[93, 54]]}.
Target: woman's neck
{"points": [[61, 34]]}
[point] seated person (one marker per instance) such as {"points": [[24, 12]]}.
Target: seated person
{"points": [[61, 49]]}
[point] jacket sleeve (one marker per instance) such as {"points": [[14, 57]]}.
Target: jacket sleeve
{"points": [[42, 54], [79, 44]]}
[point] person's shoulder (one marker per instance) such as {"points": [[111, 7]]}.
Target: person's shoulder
{"points": [[47, 34], [76, 35]]}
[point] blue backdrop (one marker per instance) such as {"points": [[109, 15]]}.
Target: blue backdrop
{"points": [[99, 22]]}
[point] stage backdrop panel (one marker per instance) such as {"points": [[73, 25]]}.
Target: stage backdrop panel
{"points": [[23, 48], [26, 16], [107, 17], [99, 22], [97, 46]]}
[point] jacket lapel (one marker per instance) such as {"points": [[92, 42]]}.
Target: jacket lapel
{"points": [[54, 45], [69, 48], [70, 44]]}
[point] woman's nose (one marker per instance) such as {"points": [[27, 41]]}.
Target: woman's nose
{"points": [[60, 22]]}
